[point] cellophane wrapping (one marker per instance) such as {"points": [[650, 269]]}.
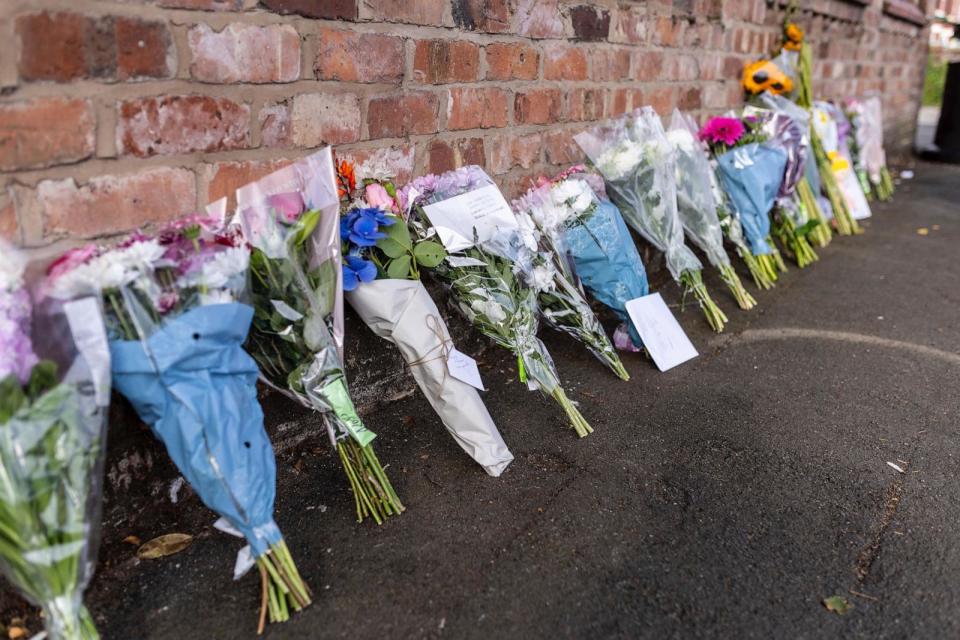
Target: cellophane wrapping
{"points": [[751, 176]]}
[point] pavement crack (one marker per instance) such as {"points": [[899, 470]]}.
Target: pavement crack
{"points": [[871, 551]]}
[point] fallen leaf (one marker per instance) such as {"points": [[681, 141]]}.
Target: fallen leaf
{"points": [[132, 540], [13, 633], [935, 227], [165, 545], [837, 604], [923, 231], [408, 421]]}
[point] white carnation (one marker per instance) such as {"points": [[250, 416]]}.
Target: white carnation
{"points": [[682, 140]]}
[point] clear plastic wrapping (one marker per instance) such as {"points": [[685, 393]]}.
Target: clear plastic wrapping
{"points": [[54, 396]]}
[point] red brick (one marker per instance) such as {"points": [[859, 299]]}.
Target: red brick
{"points": [[358, 57], [143, 49], [226, 177], [325, 9], [324, 118], [443, 155], [491, 16], [428, 12], [540, 106], [395, 162], [630, 27], [167, 125], [668, 31], [690, 99], [684, 68], [443, 61], [62, 46], [663, 99], [619, 102], [561, 148], [403, 115], [511, 61], [275, 129], [563, 62], [9, 229], [204, 5], [539, 19], [586, 104], [45, 131], [475, 108], [440, 157], [245, 53], [610, 64], [590, 23], [471, 151], [111, 204], [510, 150], [648, 65]]}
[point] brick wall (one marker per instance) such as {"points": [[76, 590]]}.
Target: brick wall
{"points": [[117, 113]]}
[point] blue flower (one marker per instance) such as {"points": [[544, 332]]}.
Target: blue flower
{"points": [[364, 232], [357, 270], [346, 223], [378, 215]]}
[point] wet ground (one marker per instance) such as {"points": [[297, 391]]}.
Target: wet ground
{"points": [[725, 498]]}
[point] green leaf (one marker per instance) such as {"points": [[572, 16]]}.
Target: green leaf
{"points": [[391, 248], [42, 378], [399, 233], [837, 604], [429, 253], [399, 268], [11, 398], [807, 227]]}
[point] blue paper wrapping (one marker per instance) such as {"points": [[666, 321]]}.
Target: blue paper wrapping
{"points": [[195, 386], [751, 176], [607, 261]]}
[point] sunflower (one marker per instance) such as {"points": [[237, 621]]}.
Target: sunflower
{"points": [[764, 75]]}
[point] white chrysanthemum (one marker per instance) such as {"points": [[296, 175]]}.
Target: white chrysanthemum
{"points": [[220, 269], [103, 273], [542, 278], [682, 140], [141, 256], [11, 268], [492, 310], [616, 162]]}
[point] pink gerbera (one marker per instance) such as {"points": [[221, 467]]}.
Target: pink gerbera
{"points": [[722, 130]]}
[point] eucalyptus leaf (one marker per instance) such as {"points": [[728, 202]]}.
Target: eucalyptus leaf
{"points": [[429, 253], [399, 268]]}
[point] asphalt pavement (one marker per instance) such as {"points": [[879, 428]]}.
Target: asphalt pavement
{"points": [[726, 498]]}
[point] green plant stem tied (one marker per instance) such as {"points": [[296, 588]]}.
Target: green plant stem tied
{"points": [[68, 619], [283, 588], [372, 491], [846, 225], [768, 263], [777, 258], [580, 424], [692, 282], [820, 235], [797, 245], [757, 270], [885, 186], [732, 280]]}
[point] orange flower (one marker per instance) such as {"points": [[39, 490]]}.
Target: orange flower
{"points": [[346, 179], [764, 75], [793, 36]]}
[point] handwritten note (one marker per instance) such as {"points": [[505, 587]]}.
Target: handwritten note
{"points": [[662, 335], [483, 210], [464, 368]]}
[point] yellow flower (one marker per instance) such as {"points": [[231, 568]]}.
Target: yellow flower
{"points": [[793, 33], [837, 161], [764, 75]]}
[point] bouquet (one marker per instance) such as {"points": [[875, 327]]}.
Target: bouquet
{"points": [[177, 325], [53, 406], [485, 240], [866, 146], [792, 223], [750, 172], [381, 277], [580, 224], [637, 162], [696, 206], [797, 56], [832, 128], [291, 218]]}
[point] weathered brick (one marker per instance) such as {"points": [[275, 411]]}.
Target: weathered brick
{"points": [[440, 157], [564, 62], [166, 125], [443, 61], [143, 49], [275, 130], [325, 9], [610, 64], [662, 99], [492, 16], [647, 66], [111, 204], [586, 104], [45, 131], [560, 146], [511, 61], [63, 46], [324, 118], [590, 23], [539, 106], [509, 150], [471, 151], [245, 53], [205, 5], [358, 57], [9, 229], [619, 102], [539, 19], [630, 27], [395, 162], [224, 178], [690, 98], [446, 155], [402, 115], [428, 12], [476, 108], [668, 31]]}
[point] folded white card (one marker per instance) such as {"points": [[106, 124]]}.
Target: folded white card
{"points": [[662, 335], [464, 368], [483, 210]]}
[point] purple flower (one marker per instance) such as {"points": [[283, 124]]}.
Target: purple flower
{"points": [[364, 232], [15, 345], [357, 270]]}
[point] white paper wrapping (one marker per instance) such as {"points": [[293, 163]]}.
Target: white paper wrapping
{"points": [[402, 312]]}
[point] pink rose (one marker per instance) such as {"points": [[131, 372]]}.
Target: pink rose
{"points": [[377, 196], [71, 260], [288, 206]]}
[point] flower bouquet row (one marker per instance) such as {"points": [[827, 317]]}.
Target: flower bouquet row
{"points": [[866, 146], [176, 323]]}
